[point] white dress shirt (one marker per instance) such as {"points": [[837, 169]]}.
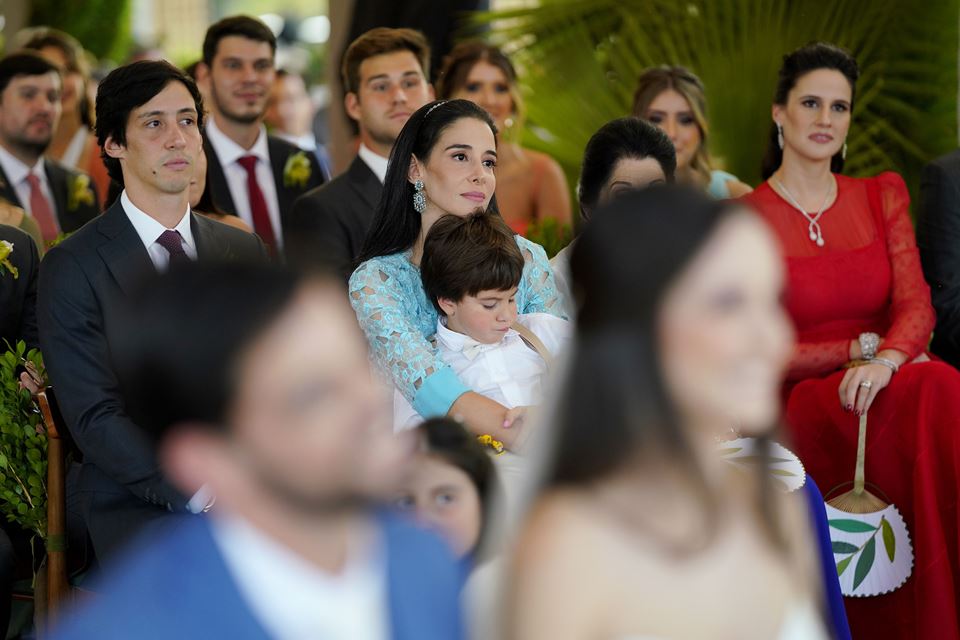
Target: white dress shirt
{"points": [[294, 600], [149, 230], [509, 371], [376, 162], [17, 172], [228, 153]]}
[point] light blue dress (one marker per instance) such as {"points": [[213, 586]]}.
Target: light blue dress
{"points": [[718, 187], [398, 318]]}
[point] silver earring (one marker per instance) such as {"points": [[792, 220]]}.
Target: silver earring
{"points": [[844, 152], [419, 201], [780, 135]]}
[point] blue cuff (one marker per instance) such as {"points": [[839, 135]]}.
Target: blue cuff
{"points": [[438, 393]]}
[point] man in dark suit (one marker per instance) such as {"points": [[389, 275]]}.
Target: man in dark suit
{"points": [[385, 75], [938, 237], [250, 174], [60, 199], [276, 412], [148, 124], [18, 291]]}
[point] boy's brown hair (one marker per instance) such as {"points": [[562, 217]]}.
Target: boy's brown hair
{"points": [[463, 256]]}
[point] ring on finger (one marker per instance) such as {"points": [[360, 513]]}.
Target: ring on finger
{"points": [[866, 384]]}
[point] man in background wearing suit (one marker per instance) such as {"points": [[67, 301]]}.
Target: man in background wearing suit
{"points": [[938, 237], [385, 77], [148, 124], [275, 411], [250, 174], [18, 289], [60, 199]]}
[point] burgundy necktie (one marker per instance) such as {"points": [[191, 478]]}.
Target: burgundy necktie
{"points": [[173, 243], [258, 204], [41, 211]]}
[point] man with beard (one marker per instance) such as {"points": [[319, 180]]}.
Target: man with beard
{"points": [[385, 76], [61, 200], [250, 174], [275, 411], [149, 116]]}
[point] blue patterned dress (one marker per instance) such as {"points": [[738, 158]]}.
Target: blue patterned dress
{"points": [[398, 320]]}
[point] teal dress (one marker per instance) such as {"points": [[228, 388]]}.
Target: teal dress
{"points": [[398, 320], [718, 184]]}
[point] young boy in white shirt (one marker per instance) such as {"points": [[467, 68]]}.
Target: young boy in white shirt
{"points": [[471, 269]]}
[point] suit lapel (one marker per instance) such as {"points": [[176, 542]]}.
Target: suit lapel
{"points": [[210, 245], [7, 191], [217, 181], [365, 182], [58, 187], [278, 160], [123, 252]]}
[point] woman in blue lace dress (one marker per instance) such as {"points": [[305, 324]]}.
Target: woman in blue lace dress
{"points": [[442, 163]]}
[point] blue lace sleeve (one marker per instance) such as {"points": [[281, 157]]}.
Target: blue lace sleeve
{"points": [[538, 289], [396, 318]]}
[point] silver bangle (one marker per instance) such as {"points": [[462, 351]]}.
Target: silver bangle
{"points": [[887, 363]]}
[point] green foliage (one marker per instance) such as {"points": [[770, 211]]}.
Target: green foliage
{"points": [[579, 61], [23, 446], [101, 26], [550, 234]]}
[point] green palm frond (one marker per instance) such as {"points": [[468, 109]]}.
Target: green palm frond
{"points": [[579, 60]]}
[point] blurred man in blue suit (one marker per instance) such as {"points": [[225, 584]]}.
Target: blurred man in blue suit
{"points": [[256, 385]]}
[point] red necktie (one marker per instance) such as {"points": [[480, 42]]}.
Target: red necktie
{"points": [[41, 211], [258, 204], [172, 241]]}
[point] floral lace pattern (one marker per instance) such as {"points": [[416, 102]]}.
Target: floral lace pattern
{"points": [[398, 319]]}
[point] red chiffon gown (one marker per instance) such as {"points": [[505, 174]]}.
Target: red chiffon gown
{"points": [[867, 277]]}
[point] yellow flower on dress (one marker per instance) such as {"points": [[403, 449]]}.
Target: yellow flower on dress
{"points": [[297, 170], [6, 248], [79, 192]]}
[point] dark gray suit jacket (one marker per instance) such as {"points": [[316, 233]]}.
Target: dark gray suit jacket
{"points": [[938, 237], [327, 226], [60, 177], [83, 282], [18, 296]]}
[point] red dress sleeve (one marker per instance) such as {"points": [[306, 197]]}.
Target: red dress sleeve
{"points": [[814, 359], [912, 317]]}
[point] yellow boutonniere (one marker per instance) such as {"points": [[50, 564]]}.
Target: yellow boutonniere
{"points": [[297, 171], [6, 248], [489, 441], [79, 192]]}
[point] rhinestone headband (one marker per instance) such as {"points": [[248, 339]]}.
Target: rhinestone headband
{"points": [[430, 110]]}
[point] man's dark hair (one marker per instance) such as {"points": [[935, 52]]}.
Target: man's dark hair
{"points": [[126, 88], [23, 64], [179, 339], [380, 41], [464, 256], [243, 26]]}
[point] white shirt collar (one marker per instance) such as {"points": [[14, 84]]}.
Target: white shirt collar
{"points": [[229, 151], [16, 170], [149, 229], [376, 162], [307, 142], [292, 598], [458, 342]]}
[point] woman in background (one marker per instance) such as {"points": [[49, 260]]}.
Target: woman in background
{"points": [[673, 99], [531, 186]]}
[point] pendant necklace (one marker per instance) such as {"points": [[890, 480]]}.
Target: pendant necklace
{"points": [[816, 234]]}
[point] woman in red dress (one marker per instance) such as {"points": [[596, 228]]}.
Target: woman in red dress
{"points": [[856, 290]]}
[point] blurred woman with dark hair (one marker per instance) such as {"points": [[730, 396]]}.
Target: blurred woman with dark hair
{"points": [[642, 529]]}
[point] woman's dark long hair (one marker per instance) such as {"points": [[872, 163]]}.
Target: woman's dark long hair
{"points": [[396, 223], [622, 138], [816, 55], [616, 407]]}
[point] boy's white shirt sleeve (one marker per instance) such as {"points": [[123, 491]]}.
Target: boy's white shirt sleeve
{"points": [[404, 415]]}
